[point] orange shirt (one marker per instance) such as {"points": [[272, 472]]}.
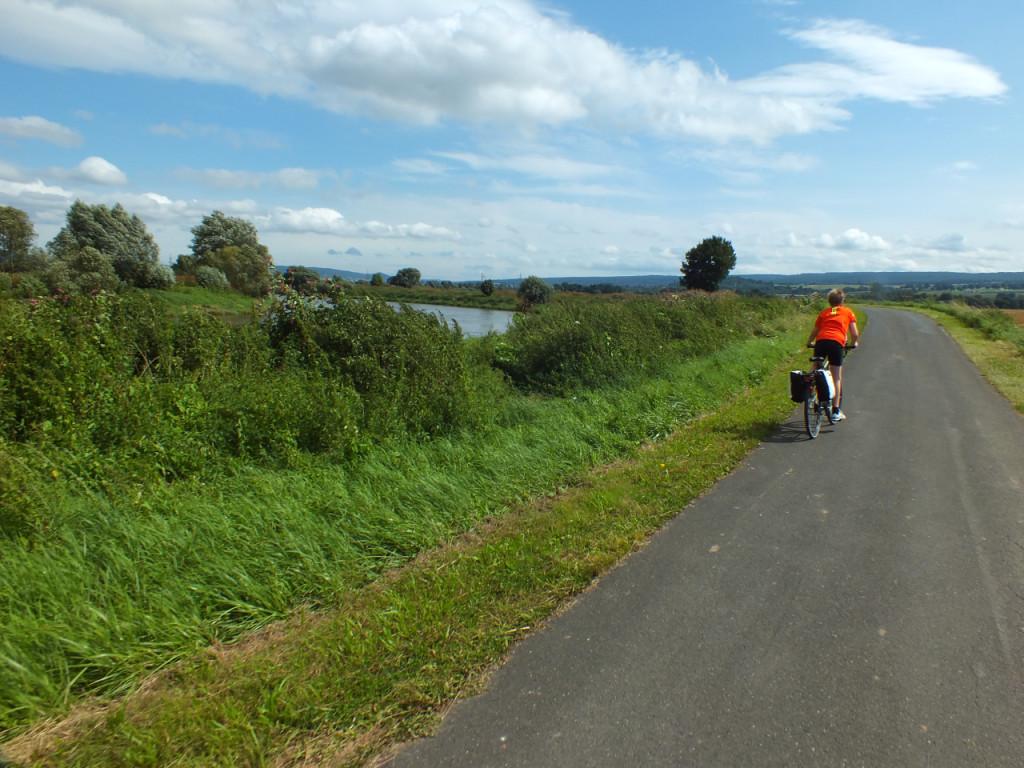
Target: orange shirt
{"points": [[833, 324]]}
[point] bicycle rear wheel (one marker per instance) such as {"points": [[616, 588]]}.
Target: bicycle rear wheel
{"points": [[812, 412]]}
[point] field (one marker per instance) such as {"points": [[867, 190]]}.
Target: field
{"points": [[1016, 314]]}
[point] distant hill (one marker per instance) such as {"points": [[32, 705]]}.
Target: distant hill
{"points": [[842, 279], [345, 274], [746, 282]]}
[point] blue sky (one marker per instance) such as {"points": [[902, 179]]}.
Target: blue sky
{"points": [[501, 138]]}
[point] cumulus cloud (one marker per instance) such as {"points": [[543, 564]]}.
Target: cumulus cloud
{"points": [[854, 240], [100, 171], [39, 128], [506, 61], [92, 170]]}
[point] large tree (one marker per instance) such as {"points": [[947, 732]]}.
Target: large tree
{"points": [[231, 245], [409, 277], [708, 264], [16, 238], [118, 235]]}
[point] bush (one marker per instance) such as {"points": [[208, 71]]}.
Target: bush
{"points": [[211, 277], [533, 290], [594, 342], [158, 276], [406, 366]]}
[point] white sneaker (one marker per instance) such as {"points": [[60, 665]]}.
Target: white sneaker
{"points": [[838, 415]]}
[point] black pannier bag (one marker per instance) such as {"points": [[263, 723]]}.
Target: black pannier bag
{"points": [[797, 387]]}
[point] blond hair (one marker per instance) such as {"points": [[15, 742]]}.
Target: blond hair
{"points": [[836, 297]]}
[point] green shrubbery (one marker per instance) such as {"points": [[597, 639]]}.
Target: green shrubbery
{"points": [[582, 344], [150, 396], [995, 323]]}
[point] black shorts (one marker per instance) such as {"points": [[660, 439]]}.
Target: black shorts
{"points": [[830, 349]]}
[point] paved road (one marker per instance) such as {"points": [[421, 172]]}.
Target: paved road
{"points": [[856, 600]]}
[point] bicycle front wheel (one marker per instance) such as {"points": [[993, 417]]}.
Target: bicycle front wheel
{"points": [[812, 412]]}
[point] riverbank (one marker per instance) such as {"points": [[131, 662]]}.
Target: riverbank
{"points": [[377, 662], [112, 574]]}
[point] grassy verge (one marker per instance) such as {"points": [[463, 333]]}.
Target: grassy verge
{"points": [[999, 356], [378, 662]]}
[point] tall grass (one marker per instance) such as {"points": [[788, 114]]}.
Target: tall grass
{"points": [[994, 323], [110, 578]]}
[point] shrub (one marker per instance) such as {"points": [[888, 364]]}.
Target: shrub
{"points": [[406, 366], [594, 342], [158, 276], [533, 290], [211, 277], [581, 344]]}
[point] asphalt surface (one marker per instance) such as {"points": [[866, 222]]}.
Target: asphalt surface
{"points": [[854, 600]]}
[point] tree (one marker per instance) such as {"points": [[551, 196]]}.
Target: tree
{"points": [[533, 290], [122, 237], [231, 245], [16, 238], [409, 277], [218, 230], [487, 287], [708, 264], [377, 280], [83, 271], [302, 279]]}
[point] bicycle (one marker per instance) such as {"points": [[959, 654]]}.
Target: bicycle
{"points": [[813, 390]]}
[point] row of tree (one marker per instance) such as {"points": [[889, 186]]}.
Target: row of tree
{"points": [[101, 248], [106, 249]]}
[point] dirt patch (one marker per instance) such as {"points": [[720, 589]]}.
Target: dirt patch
{"points": [[1016, 314]]}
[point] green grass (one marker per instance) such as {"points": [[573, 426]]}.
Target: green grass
{"points": [[371, 660], [227, 304]]}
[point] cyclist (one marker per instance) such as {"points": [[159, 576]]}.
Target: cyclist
{"points": [[828, 337]]}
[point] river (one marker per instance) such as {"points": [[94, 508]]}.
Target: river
{"points": [[473, 322]]}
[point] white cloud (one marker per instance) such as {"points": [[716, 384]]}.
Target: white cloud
{"points": [[327, 221], [854, 240], [508, 61], [231, 136], [541, 166], [33, 190], [92, 170], [287, 178], [883, 68], [39, 128], [100, 171]]}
